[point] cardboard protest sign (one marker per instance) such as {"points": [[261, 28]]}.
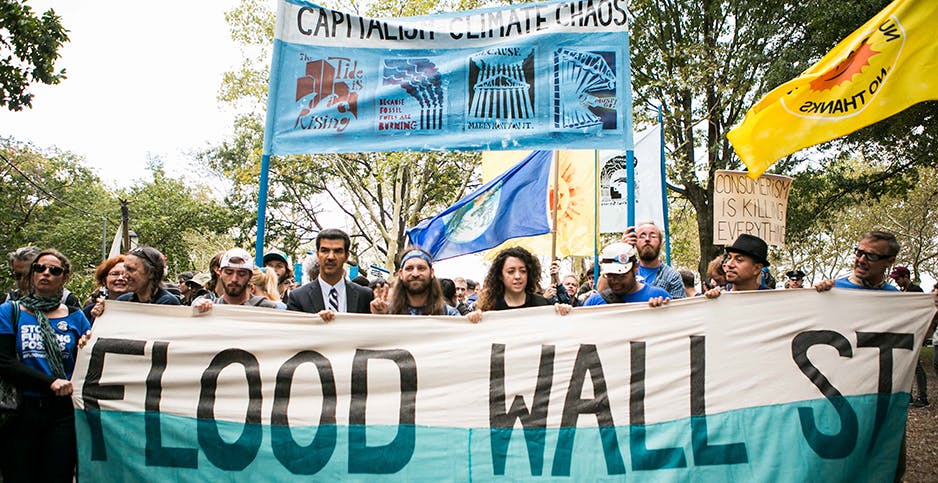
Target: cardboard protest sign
{"points": [[790, 385], [744, 205]]}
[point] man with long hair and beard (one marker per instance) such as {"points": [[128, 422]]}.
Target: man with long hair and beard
{"points": [[416, 290]]}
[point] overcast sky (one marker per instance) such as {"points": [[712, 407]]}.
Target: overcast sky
{"points": [[142, 81]]}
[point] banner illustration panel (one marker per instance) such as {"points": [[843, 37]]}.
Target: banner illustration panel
{"points": [[535, 76]]}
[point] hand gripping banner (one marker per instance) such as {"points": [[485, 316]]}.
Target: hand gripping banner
{"points": [[546, 76], [782, 386]]}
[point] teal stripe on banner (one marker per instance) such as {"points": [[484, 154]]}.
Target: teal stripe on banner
{"points": [[754, 444]]}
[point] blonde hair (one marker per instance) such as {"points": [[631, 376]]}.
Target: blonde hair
{"points": [[265, 282]]}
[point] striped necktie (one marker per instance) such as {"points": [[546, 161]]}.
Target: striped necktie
{"points": [[334, 300]]}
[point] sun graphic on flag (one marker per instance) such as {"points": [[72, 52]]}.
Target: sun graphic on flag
{"points": [[571, 202], [846, 69]]}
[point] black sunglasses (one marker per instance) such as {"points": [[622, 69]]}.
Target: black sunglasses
{"points": [[873, 257], [55, 270]]}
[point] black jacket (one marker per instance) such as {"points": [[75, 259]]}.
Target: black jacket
{"points": [[308, 298]]}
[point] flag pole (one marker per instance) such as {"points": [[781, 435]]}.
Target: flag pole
{"points": [[261, 210], [267, 150], [595, 217], [630, 179], [555, 204]]}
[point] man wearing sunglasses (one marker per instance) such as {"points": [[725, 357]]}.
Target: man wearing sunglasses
{"points": [[873, 256], [21, 260]]}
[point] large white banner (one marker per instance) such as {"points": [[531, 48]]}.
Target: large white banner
{"points": [[769, 386]]}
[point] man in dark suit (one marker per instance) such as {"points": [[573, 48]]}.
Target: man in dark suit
{"points": [[331, 292]]}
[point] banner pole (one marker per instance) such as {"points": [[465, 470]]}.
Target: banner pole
{"points": [[596, 198], [261, 211], [276, 60], [664, 190], [554, 206], [630, 175]]}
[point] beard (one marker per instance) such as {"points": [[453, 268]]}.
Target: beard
{"points": [[648, 253], [235, 290], [417, 286]]}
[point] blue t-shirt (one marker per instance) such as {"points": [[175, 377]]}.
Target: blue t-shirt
{"points": [[844, 282], [29, 346], [646, 293], [649, 274]]}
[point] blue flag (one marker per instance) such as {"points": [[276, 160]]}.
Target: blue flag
{"points": [[510, 206]]}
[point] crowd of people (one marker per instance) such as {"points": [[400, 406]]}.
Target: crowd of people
{"points": [[38, 443]]}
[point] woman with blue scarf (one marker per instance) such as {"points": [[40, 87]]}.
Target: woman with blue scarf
{"points": [[39, 338]]}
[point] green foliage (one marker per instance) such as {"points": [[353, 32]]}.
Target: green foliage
{"points": [[49, 198], [822, 246], [709, 62], [682, 222], [29, 46], [380, 195], [163, 210]]}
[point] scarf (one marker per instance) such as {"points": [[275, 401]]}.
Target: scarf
{"points": [[39, 306]]}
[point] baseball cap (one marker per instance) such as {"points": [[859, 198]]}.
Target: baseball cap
{"points": [[199, 279], [900, 272], [276, 255], [617, 258], [237, 258]]}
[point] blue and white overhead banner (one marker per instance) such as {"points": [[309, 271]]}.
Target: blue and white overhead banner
{"points": [[813, 387], [534, 76]]}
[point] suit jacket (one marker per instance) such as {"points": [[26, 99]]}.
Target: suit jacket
{"points": [[308, 298]]}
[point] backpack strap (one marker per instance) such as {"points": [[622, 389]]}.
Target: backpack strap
{"points": [[16, 322]]}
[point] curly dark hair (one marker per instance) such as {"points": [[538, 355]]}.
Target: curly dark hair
{"points": [[493, 289]]}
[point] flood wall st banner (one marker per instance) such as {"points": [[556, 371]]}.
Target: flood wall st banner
{"points": [[535, 76], [783, 386]]}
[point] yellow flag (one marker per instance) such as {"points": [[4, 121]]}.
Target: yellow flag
{"points": [[575, 216], [887, 65]]}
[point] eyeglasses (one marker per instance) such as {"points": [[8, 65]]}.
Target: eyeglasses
{"points": [[55, 270], [873, 257]]}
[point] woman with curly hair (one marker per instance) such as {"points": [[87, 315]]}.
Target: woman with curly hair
{"points": [[513, 283]]}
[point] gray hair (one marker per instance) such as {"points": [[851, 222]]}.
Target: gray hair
{"points": [[311, 267], [24, 254], [885, 236]]}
